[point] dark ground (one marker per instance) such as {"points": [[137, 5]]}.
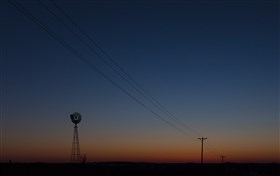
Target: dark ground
{"points": [[139, 169]]}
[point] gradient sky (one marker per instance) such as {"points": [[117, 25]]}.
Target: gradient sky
{"points": [[213, 64]]}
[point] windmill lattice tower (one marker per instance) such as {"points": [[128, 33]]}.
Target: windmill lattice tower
{"points": [[75, 154]]}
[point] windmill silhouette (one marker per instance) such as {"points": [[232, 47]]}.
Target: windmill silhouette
{"points": [[75, 154]]}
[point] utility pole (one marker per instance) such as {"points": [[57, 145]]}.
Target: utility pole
{"points": [[202, 139], [222, 159]]}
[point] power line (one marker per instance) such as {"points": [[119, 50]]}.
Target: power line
{"points": [[82, 58], [100, 57], [86, 61], [129, 79]]}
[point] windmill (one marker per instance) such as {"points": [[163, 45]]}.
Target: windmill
{"points": [[75, 154]]}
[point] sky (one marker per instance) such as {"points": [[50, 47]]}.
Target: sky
{"points": [[213, 64]]}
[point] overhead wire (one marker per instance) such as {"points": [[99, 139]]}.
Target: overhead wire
{"points": [[82, 58], [129, 79], [96, 53]]}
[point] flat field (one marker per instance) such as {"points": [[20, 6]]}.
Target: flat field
{"points": [[139, 169]]}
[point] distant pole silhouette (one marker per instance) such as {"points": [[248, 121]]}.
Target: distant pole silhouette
{"points": [[202, 139], [222, 159]]}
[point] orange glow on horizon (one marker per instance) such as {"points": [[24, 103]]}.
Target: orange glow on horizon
{"points": [[138, 156]]}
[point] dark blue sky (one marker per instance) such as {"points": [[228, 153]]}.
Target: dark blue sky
{"points": [[214, 64]]}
